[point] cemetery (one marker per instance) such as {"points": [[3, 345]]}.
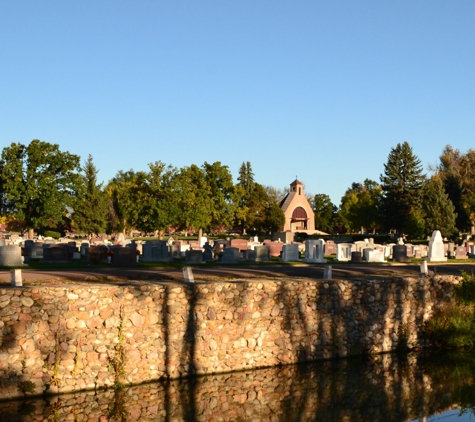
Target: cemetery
{"points": [[106, 250]]}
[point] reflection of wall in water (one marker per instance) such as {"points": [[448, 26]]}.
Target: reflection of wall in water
{"points": [[380, 389], [173, 329]]}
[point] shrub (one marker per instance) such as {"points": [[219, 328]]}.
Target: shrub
{"points": [[53, 234], [451, 325]]}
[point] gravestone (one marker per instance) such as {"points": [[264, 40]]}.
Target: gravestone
{"points": [[10, 256], [400, 254], [241, 244], [203, 240], [330, 247], [194, 256], [188, 275], [424, 268], [84, 250], [262, 253], [451, 250], [356, 256], [275, 248], [290, 253], [359, 246], [314, 251], [58, 252], [194, 245], [230, 255], [343, 252], [123, 256], [208, 253], [327, 272], [155, 251], [175, 251], [436, 248], [284, 237], [460, 252], [97, 254], [373, 255]]}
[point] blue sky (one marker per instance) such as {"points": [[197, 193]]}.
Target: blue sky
{"points": [[318, 90]]}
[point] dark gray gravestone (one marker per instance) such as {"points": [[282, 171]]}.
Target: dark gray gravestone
{"points": [[10, 256], [230, 256], [56, 253], [262, 253], [356, 256], [123, 256], [98, 254], [290, 253], [208, 253], [194, 257], [400, 254]]}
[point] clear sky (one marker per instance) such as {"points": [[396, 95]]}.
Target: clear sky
{"points": [[321, 90]]}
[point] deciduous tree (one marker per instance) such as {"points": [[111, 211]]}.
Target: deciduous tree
{"points": [[38, 182]]}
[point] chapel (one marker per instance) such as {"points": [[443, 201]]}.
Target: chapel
{"points": [[299, 215]]}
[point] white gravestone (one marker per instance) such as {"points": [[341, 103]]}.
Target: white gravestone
{"points": [[314, 251], [436, 248], [343, 252]]}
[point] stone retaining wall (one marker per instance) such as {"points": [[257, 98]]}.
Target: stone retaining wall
{"points": [[66, 337]]}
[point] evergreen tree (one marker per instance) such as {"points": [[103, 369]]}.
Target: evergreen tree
{"points": [[246, 178], [401, 185], [91, 208], [439, 212]]}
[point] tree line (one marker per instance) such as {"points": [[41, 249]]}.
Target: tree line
{"points": [[406, 200], [42, 186]]}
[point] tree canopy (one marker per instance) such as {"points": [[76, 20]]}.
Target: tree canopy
{"points": [[90, 209], [38, 183], [401, 185]]}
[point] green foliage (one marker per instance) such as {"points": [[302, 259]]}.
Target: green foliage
{"points": [[438, 209], [359, 209], [224, 195], [91, 208], [401, 185], [53, 234], [37, 183], [118, 362], [456, 171], [26, 387], [191, 199], [451, 325], [324, 213]]}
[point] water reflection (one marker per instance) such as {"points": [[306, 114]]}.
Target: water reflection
{"points": [[382, 388]]}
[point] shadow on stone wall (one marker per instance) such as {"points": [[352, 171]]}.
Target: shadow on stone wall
{"points": [[379, 389]]}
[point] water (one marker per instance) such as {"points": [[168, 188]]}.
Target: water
{"points": [[382, 388]]}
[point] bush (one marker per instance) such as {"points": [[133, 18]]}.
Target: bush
{"points": [[452, 326], [53, 234]]}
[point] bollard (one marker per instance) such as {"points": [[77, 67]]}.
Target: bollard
{"points": [[424, 268], [16, 278], [188, 275], [327, 272]]}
